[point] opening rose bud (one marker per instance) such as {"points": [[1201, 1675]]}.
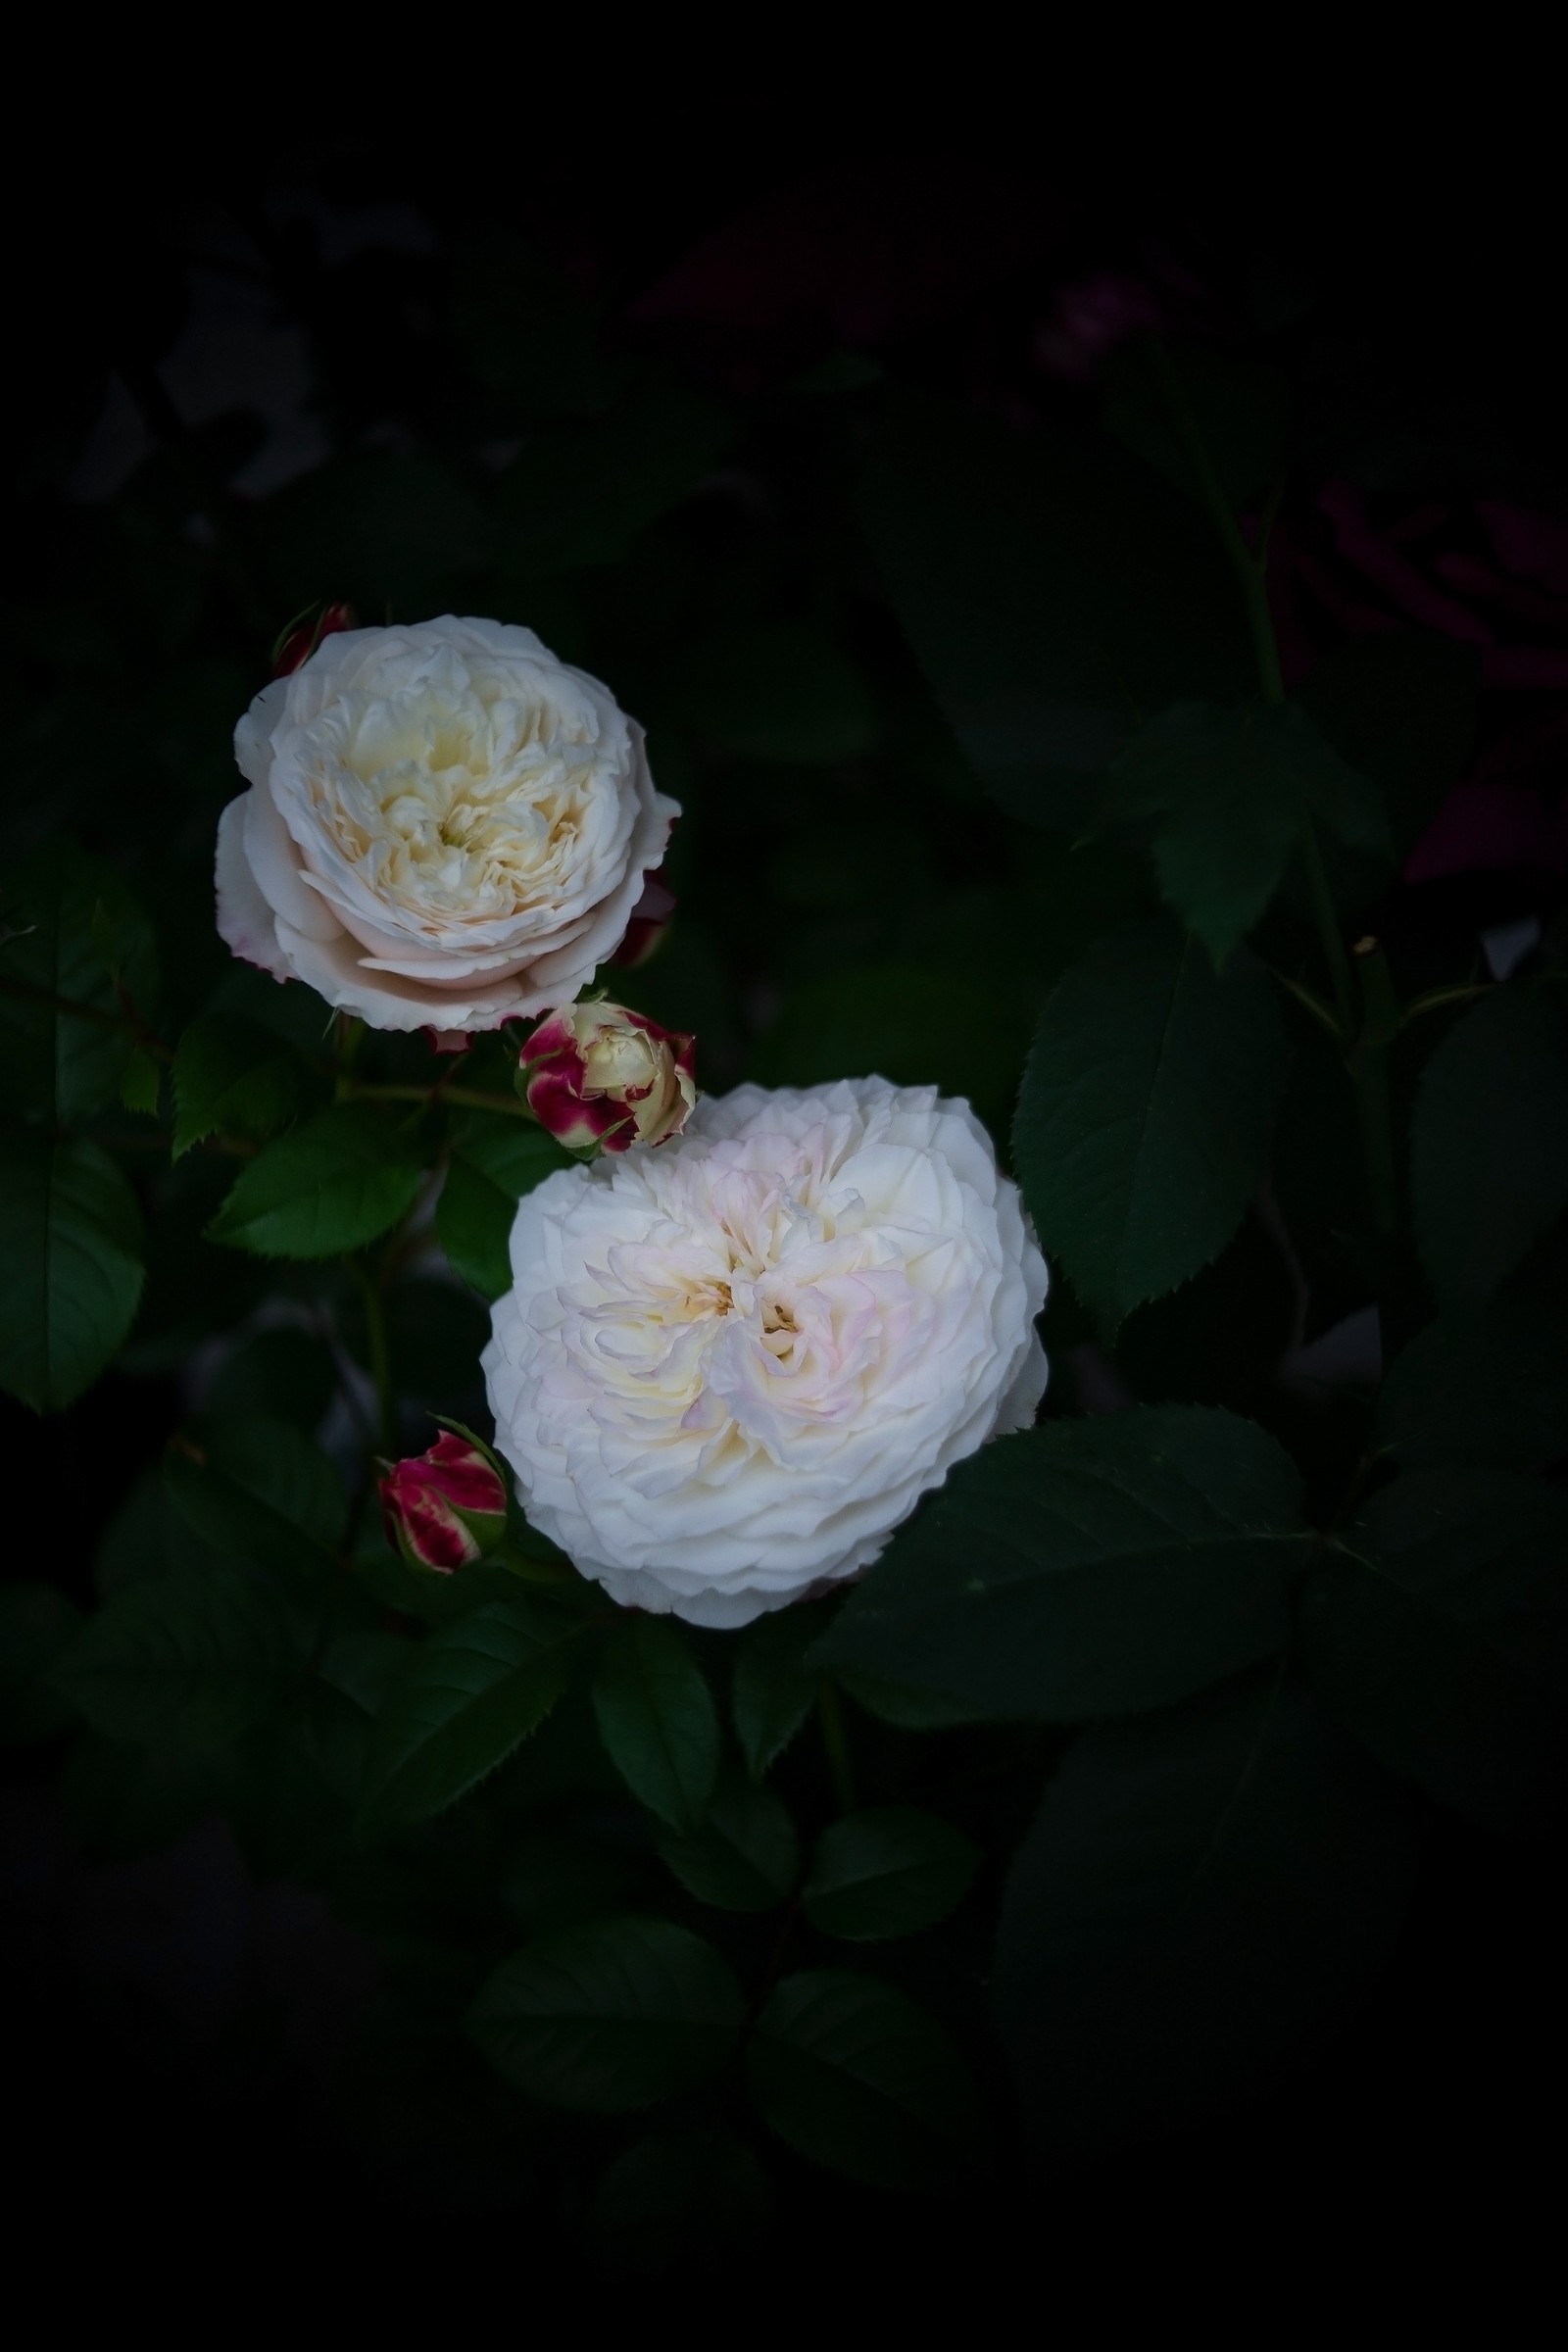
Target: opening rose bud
{"points": [[444, 1508], [301, 638], [601, 1074]]}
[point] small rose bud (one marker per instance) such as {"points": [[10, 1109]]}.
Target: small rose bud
{"points": [[445, 1508], [301, 638], [601, 1074]]}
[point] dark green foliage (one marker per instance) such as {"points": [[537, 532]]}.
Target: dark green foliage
{"points": [[1056, 594], [229, 1074], [1438, 1633], [887, 1872], [746, 1855], [1488, 1143], [333, 1185], [1227, 793], [657, 1718], [855, 2076], [610, 2017], [71, 1269], [1401, 710], [1200, 1895], [191, 1658], [774, 1686], [494, 1162], [460, 1706], [1043, 733], [259, 1492], [72, 931], [1489, 1387], [1088, 1568], [1144, 1114]]}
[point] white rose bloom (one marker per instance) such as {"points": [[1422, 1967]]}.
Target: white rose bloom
{"points": [[729, 1367], [445, 826]]}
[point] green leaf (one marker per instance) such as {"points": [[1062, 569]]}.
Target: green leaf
{"points": [[190, 1658], [610, 2017], [657, 1718], [859, 2079], [333, 1185], [470, 1695], [63, 912], [744, 1856], [495, 1161], [782, 691], [576, 498], [1230, 792], [774, 1689], [1201, 1894], [232, 1077], [71, 1269], [1145, 1113], [901, 1704], [259, 1491], [1430, 1634], [1087, 1568], [682, 2202], [1488, 1143], [37, 1622], [934, 1024], [889, 1872], [141, 1082], [1055, 593], [1485, 1388]]}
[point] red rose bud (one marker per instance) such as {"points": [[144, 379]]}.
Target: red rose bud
{"points": [[601, 1074], [301, 638], [445, 1508]]}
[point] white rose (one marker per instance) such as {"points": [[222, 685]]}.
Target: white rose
{"points": [[728, 1369], [445, 826]]}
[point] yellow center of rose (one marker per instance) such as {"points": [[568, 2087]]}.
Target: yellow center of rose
{"points": [[459, 796]]}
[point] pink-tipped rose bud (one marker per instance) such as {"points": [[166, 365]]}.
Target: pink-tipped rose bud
{"points": [[447, 1507], [601, 1074], [301, 638]]}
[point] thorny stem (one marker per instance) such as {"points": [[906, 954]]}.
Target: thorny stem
{"points": [[129, 1023], [380, 1353], [1365, 1032], [1251, 572], [473, 1096]]}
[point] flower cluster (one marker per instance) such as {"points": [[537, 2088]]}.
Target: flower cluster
{"points": [[728, 1368]]}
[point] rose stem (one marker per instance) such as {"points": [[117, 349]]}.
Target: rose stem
{"points": [[379, 1354], [1252, 573], [1367, 1031]]}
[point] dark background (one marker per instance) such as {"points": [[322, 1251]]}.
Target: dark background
{"points": [[199, 345]]}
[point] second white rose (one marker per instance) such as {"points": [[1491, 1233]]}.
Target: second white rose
{"points": [[728, 1368], [446, 827]]}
